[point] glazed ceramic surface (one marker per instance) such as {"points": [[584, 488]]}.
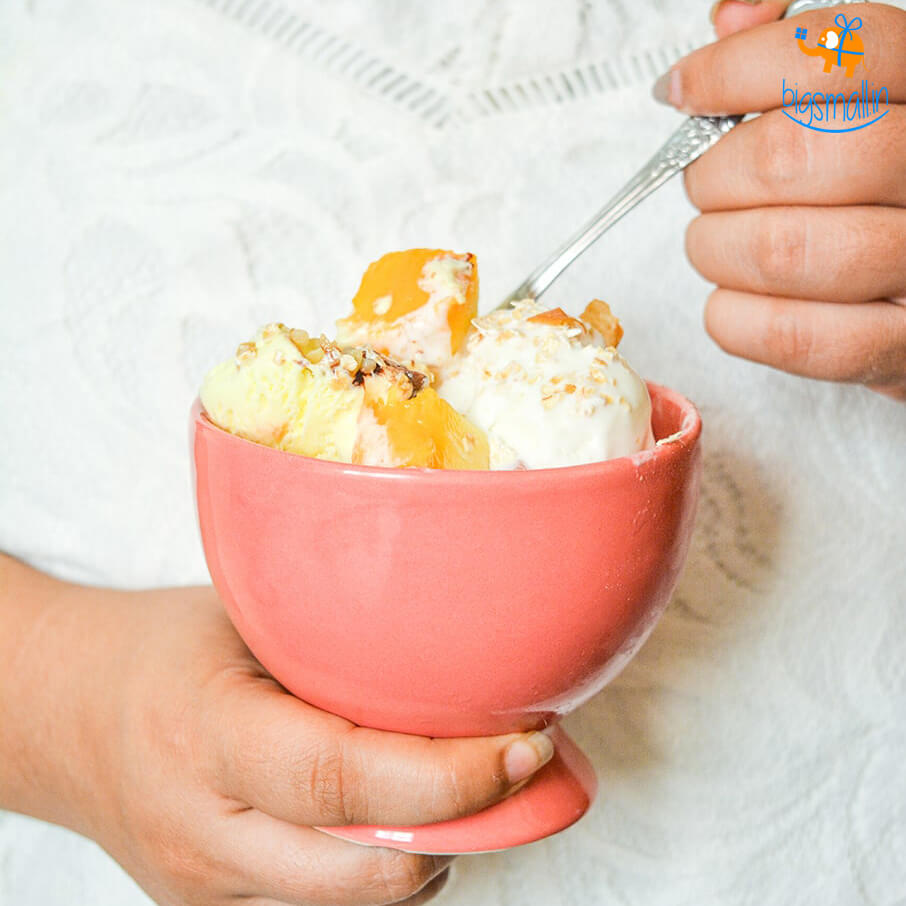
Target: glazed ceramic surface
{"points": [[446, 603]]}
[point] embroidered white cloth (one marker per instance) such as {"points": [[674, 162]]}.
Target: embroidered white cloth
{"points": [[176, 173]]}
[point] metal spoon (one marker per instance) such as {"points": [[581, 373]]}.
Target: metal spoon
{"points": [[696, 135]]}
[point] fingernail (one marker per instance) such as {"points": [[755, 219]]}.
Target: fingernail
{"points": [[713, 14], [667, 89], [526, 755]]}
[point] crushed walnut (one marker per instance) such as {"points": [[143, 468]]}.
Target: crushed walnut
{"points": [[246, 352]]}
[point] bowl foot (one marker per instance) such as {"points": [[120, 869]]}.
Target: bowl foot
{"points": [[556, 797]]}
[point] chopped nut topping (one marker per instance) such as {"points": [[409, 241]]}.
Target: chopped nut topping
{"points": [[313, 350], [331, 353], [406, 386], [246, 352], [272, 329], [348, 363], [605, 356], [418, 380]]}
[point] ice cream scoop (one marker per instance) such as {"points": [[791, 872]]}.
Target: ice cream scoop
{"points": [[311, 396], [548, 389], [415, 305]]}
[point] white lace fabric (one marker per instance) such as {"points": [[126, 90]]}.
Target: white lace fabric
{"points": [[173, 175]]}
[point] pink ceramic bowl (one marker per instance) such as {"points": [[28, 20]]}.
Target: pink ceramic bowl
{"points": [[447, 603]]}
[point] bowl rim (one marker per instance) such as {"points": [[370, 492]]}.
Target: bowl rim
{"points": [[666, 449]]}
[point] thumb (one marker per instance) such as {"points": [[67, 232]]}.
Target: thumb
{"points": [[299, 764], [730, 16]]}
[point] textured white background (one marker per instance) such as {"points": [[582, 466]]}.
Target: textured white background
{"points": [[173, 174]]}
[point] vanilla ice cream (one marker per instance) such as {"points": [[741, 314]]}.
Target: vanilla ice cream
{"points": [[547, 390]]}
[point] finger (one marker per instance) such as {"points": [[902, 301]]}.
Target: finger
{"points": [[294, 864], [304, 765], [772, 161], [425, 895], [828, 340], [731, 16], [747, 72], [430, 890], [831, 254]]}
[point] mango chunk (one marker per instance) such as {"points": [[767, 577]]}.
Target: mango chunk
{"points": [[415, 305], [426, 431], [598, 315]]}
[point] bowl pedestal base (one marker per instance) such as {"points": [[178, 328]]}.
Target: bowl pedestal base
{"points": [[556, 797]]}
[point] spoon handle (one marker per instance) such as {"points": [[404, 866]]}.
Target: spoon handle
{"points": [[695, 136], [691, 140]]}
